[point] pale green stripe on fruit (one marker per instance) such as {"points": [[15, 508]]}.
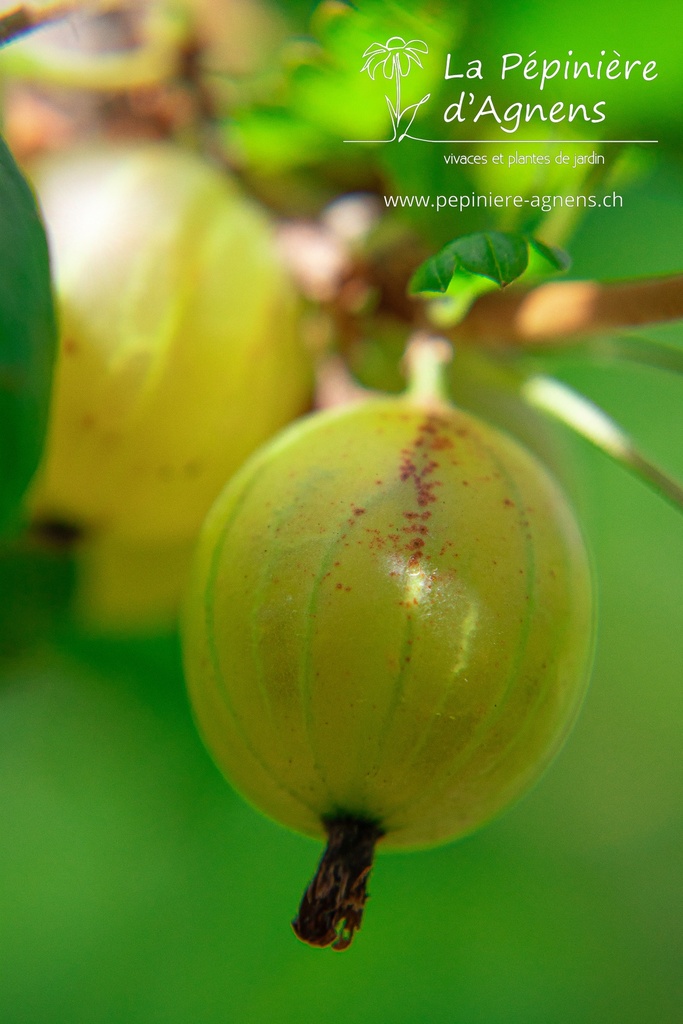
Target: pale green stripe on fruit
{"points": [[494, 712], [257, 470], [521, 780], [305, 669]]}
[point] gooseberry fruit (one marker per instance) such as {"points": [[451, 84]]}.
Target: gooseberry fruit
{"points": [[387, 635], [180, 342], [129, 587]]}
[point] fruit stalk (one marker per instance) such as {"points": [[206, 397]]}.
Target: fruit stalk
{"points": [[425, 358], [332, 907]]}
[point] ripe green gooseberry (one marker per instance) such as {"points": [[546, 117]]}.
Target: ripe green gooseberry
{"points": [[387, 634], [180, 343]]}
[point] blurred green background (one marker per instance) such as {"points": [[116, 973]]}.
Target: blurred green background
{"points": [[136, 888]]}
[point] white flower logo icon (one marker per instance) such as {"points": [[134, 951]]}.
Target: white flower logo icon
{"points": [[395, 57]]}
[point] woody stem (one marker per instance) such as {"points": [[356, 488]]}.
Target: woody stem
{"points": [[569, 310]]}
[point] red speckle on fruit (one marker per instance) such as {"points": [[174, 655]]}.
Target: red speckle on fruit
{"points": [[409, 470], [376, 538], [441, 443], [416, 528]]}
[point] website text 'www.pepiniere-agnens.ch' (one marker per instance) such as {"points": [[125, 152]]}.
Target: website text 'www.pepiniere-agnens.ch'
{"points": [[492, 200]]}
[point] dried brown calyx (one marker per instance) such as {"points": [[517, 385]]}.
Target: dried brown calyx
{"points": [[331, 910]]}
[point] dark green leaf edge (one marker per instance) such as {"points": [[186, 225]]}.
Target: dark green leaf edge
{"points": [[552, 254], [28, 336]]}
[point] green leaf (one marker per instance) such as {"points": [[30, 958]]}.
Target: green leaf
{"points": [[557, 258], [27, 336], [499, 256], [436, 273]]}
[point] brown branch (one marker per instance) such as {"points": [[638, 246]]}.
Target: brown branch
{"points": [[569, 309], [25, 18]]}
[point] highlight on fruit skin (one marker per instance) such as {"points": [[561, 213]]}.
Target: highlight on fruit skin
{"points": [[387, 635], [180, 343]]}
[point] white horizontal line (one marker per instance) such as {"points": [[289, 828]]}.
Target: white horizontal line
{"points": [[519, 142]]}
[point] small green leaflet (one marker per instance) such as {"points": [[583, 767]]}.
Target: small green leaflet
{"points": [[28, 336], [499, 256]]}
